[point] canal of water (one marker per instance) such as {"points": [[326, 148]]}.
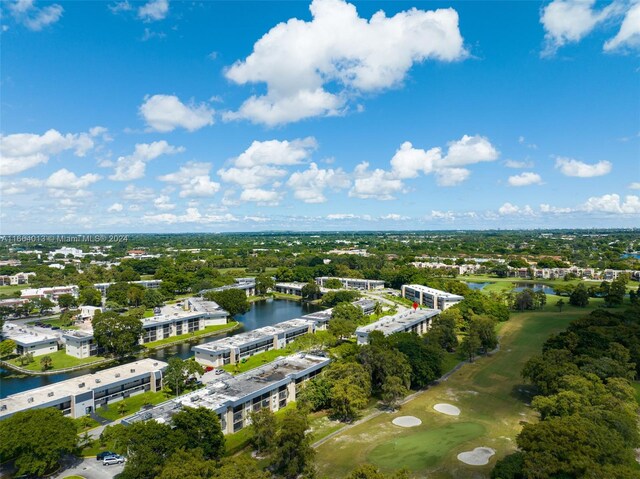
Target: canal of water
{"points": [[262, 313]]}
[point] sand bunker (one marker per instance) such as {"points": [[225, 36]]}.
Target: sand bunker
{"points": [[447, 409], [407, 421], [478, 457]]}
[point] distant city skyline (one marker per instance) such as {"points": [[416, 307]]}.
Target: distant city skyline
{"points": [[168, 116]]}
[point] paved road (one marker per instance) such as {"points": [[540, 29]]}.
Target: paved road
{"points": [[89, 468]]}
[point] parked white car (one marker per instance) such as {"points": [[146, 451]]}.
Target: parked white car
{"points": [[115, 459]]}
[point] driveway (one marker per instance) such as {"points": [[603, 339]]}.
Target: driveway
{"points": [[89, 468]]}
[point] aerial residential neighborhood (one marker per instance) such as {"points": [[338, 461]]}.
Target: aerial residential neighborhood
{"points": [[321, 239]]}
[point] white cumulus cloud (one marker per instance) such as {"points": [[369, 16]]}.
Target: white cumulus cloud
{"points": [[635, 185], [309, 185], [194, 180], [525, 179], [375, 184], [297, 59], [115, 208], [133, 166], [66, 180], [35, 18], [22, 151], [569, 21], [261, 197], [165, 113], [518, 164], [629, 34], [154, 10], [612, 203], [571, 167]]}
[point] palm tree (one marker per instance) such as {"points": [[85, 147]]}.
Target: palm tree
{"points": [[122, 408], [46, 362], [377, 309]]}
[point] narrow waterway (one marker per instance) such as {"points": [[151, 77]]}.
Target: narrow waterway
{"points": [[262, 313]]}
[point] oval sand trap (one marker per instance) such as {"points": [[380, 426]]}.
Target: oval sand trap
{"points": [[447, 409], [407, 421], [478, 457]]}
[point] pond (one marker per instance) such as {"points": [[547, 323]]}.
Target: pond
{"points": [[635, 255], [262, 313], [534, 286], [476, 285]]}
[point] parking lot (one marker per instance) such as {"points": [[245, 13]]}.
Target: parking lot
{"points": [[90, 469]]}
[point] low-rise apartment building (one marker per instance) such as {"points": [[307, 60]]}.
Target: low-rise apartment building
{"points": [[28, 340], [52, 293], [430, 297], [234, 349], [234, 398], [80, 344], [418, 321], [354, 283], [83, 395]]}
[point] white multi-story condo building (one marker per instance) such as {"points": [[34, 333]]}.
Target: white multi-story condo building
{"points": [[354, 283], [28, 340], [418, 321], [233, 349], [80, 344], [145, 283], [234, 398], [430, 297], [52, 293], [82, 395]]}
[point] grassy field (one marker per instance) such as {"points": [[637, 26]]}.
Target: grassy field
{"points": [[133, 405], [9, 291], [489, 393], [60, 360], [186, 337], [54, 322]]}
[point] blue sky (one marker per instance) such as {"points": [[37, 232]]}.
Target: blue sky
{"points": [[165, 116]]}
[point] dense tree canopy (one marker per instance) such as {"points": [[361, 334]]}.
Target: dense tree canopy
{"points": [[117, 334], [37, 439]]}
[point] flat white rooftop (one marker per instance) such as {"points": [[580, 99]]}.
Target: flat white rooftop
{"points": [[428, 290], [24, 335], [81, 384], [399, 322], [232, 390], [267, 332]]}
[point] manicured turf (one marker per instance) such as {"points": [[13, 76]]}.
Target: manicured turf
{"points": [[423, 449], [60, 360], [54, 322], [133, 405], [488, 392]]}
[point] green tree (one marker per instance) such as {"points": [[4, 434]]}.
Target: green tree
{"points": [[377, 309], [579, 297], [7, 347], [118, 335], [293, 454], [485, 329], [617, 290], [393, 390], [560, 304], [264, 427], [333, 283], [45, 305], [152, 298], [310, 291], [425, 358], [37, 439], [188, 464], [347, 312], [148, 445], [443, 331], [470, 346], [46, 362], [342, 328], [509, 467], [316, 394], [179, 372], [90, 297], [347, 398], [66, 301], [122, 408], [233, 301], [200, 428], [264, 283]]}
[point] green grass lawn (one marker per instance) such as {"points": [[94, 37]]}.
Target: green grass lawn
{"points": [[60, 360], [9, 291], [186, 337], [258, 360], [54, 322], [133, 405], [85, 423], [488, 394], [636, 386]]}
